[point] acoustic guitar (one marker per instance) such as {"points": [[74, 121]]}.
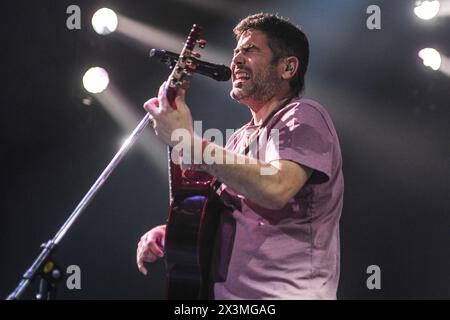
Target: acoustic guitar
{"points": [[194, 206]]}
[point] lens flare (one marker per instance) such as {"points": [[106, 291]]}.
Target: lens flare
{"points": [[105, 21], [427, 10], [431, 58], [96, 80]]}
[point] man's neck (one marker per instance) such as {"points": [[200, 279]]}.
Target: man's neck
{"points": [[260, 111]]}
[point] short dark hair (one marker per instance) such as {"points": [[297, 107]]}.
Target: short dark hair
{"points": [[285, 39]]}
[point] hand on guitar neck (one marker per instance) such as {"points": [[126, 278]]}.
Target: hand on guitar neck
{"points": [[166, 118]]}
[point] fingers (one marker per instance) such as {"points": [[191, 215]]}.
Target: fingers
{"points": [[162, 104], [140, 261], [164, 101], [151, 106], [180, 98], [141, 258], [153, 241], [163, 241], [149, 249], [147, 256], [141, 267], [162, 96]]}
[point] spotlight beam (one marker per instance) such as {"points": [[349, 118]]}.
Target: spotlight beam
{"points": [[124, 114], [152, 37], [445, 8], [445, 65]]}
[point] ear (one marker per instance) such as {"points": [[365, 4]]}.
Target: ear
{"points": [[289, 67]]}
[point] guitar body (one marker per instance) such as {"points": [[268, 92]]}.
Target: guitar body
{"points": [[194, 206], [190, 233]]}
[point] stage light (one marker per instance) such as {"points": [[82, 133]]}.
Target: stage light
{"points": [[96, 80], [431, 58], [105, 21], [427, 10]]}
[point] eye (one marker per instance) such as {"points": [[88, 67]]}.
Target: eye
{"points": [[246, 49]]}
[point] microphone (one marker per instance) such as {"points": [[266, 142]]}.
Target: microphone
{"points": [[215, 71]]}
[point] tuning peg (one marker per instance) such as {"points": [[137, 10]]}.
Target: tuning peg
{"points": [[177, 83], [181, 70], [196, 28], [192, 67], [196, 54], [202, 43]]}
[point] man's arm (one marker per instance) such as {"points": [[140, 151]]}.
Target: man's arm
{"points": [[269, 185], [271, 191]]}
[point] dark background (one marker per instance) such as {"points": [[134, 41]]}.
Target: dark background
{"points": [[392, 115]]}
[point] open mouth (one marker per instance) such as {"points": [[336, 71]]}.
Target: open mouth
{"points": [[240, 77]]}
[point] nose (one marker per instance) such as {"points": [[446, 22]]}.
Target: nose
{"points": [[238, 59]]}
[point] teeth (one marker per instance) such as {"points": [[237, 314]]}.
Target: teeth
{"points": [[241, 75]]}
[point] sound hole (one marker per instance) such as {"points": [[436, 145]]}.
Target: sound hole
{"points": [[194, 203]]}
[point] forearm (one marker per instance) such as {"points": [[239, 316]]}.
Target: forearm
{"points": [[257, 181]]}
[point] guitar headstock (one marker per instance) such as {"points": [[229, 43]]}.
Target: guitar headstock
{"points": [[183, 69]]}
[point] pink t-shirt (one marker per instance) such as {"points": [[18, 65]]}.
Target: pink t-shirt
{"points": [[292, 253]]}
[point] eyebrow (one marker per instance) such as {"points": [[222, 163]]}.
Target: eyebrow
{"points": [[245, 47]]}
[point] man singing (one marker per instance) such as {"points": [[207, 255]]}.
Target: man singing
{"points": [[279, 239]]}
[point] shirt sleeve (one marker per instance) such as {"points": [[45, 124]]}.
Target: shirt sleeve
{"points": [[302, 135]]}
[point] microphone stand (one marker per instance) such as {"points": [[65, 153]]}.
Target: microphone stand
{"points": [[44, 266]]}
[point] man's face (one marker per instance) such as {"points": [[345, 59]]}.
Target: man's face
{"points": [[255, 77]]}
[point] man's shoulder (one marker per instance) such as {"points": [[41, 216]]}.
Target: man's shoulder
{"points": [[301, 104], [300, 108], [303, 110]]}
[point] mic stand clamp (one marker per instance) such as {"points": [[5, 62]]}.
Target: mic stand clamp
{"points": [[47, 270], [50, 275]]}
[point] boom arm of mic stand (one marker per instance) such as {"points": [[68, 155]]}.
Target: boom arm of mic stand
{"points": [[50, 246]]}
